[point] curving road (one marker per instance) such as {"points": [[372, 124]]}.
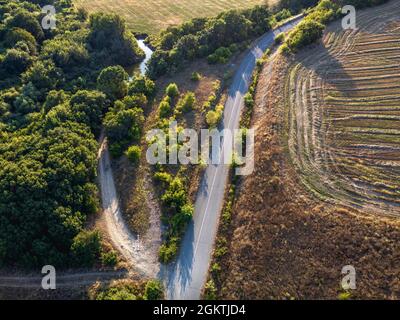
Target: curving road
{"points": [[184, 279]]}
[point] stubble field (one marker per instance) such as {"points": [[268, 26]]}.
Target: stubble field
{"points": [[151, 16]]}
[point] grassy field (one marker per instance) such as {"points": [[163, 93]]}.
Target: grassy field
{"points": [[151, 16]]}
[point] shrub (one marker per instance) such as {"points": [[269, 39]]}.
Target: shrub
{"points": [[133, 153], [187, 103], [221, 55], [172, 90], [163, 177], [214, 117], [195, 76], [248, 100], [210, 291], [112, 81], [153, 290], [109, 258], [142, 85], [168, 251], [86, 248], [280, 38], [164, 109], [304, 34]]}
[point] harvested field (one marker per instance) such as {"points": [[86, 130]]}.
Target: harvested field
{"points": [[151, 16], [286, 243], [344, 113]]}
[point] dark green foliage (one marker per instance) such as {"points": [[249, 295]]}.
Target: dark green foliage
{"points": [[142, 84], [49, 115], [16, 61], [128, 290], [16, 35], [295, 6], [108, 35], [44, 75], [86, 248], [154, 290], [89, 107], [202, 37], [122, 126], [53, 99], [113, 82], [28, 21], [133, 154], [221, 55], [109, 259], [65, 53]]}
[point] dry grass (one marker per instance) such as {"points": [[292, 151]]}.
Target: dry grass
{"points": [[284, 243], [344, 113], [151, 16]]}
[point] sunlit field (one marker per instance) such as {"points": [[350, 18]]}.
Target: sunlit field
{"points": [[151, 16]]}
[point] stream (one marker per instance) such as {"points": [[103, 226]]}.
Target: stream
{"points": [[142, 68]]}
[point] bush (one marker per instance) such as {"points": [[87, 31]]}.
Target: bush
{"points": [[306, 32], [154, 290], [86, 248], [221, 55], [168, 252], [187, 103], [142, 85], [280, 38], [283, 15], [214, 117], [172, 90], [210, 291], [123, 125], [133, 153], [164, 109], [109, 259], [195, 76], [113, 82]]}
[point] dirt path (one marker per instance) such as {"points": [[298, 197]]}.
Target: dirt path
{"points": [[139, 254], [62, 280]]}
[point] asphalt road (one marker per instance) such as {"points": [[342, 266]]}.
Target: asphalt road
{"points": [[184, 279]]}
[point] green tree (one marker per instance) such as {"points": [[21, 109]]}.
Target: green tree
{"points": [[142, 85], [124, 125], [172, 90], [113, 82], [86, 248], [89, 107]]}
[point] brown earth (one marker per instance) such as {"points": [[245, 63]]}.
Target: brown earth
{"points": [[285, 243]]}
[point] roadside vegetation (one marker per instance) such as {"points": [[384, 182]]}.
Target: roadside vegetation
{"points": [[214, 38], [127, 290]]}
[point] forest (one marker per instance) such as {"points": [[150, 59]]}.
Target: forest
{"points": [[58, 87]]}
